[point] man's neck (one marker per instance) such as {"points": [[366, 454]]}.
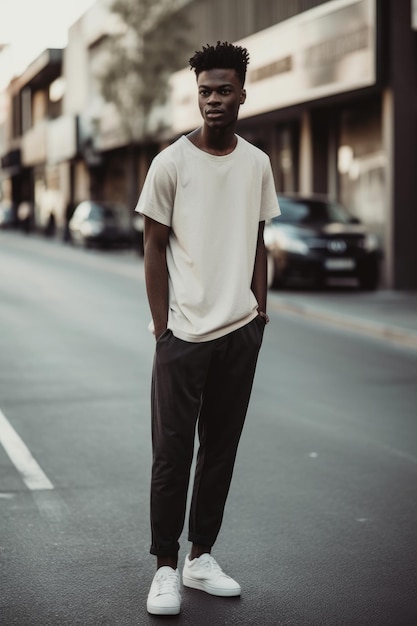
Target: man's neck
{"points": [[218, 142]]}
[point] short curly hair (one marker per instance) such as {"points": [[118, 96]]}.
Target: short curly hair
{"points": [[223, 55]]}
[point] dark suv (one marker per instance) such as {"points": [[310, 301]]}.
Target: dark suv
{"points": [[315, 239]]}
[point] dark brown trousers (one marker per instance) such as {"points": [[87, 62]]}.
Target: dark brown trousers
{"points": [[209, 383]]}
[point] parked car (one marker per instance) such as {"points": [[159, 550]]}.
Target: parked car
{"points": [[101, 224], [315, 239]]}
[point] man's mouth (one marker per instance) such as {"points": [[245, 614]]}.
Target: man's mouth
{"points": [[214, 113]]}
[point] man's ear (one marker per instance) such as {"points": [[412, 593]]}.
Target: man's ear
{"points": [[243, 96]]}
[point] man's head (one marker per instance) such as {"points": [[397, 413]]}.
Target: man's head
{"points": [[221, 72], [222, 56]]}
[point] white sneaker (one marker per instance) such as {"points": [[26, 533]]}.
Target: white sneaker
{"points": [[164, 596], [205, 573]]}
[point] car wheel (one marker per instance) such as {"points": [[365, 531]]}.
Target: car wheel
{"points": [[318, 280], [369, 278]]}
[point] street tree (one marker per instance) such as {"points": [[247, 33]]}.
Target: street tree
{"points": [[148, 42]]}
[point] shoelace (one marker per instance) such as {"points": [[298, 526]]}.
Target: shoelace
{"points": [[167, 583], [210, 563]]}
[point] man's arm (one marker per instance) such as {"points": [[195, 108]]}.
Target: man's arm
{"points": [[259, 279], [156, 237]]}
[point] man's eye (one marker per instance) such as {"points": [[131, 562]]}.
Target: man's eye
{"points": [[225, 92], [204, 93]]}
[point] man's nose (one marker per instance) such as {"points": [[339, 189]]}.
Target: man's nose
{"points": [[213, 97]]}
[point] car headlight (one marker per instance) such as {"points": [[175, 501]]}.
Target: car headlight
{"points": [[291, 244], [370, 242]]}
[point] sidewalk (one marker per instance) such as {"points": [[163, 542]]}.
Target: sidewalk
{"points": [[389, 315]]}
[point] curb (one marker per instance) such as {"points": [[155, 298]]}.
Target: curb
{"points": [[392, 334]]}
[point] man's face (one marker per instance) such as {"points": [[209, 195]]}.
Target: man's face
{"points": [[220, 95]]}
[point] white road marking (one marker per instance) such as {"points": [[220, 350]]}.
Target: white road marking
{"points": [[51, 506], [19, 454]]}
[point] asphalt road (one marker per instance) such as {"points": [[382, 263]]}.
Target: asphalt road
{"points": [[320, 526]]}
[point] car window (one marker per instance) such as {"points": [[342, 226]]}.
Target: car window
{"points": [[337, 213], [307, 212], [96, 212], [116, 214], [292, 211]]}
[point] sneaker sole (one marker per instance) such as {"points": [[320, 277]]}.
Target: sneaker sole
{"points": [[163, 610], [214, 591]]}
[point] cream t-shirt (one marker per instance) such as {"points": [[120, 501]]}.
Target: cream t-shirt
{"points": [[213, 205]]}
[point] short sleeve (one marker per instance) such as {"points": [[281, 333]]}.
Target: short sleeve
{"points": [[269, 202], [158, 193]]}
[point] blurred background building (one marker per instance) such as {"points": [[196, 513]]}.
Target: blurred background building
{"points": [[331, 98]]}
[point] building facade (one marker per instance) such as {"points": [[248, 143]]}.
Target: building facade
{"points": [[28, 176], [332, 99]]}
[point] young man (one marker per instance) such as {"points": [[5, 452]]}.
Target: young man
{"points": [[205, 200]]}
